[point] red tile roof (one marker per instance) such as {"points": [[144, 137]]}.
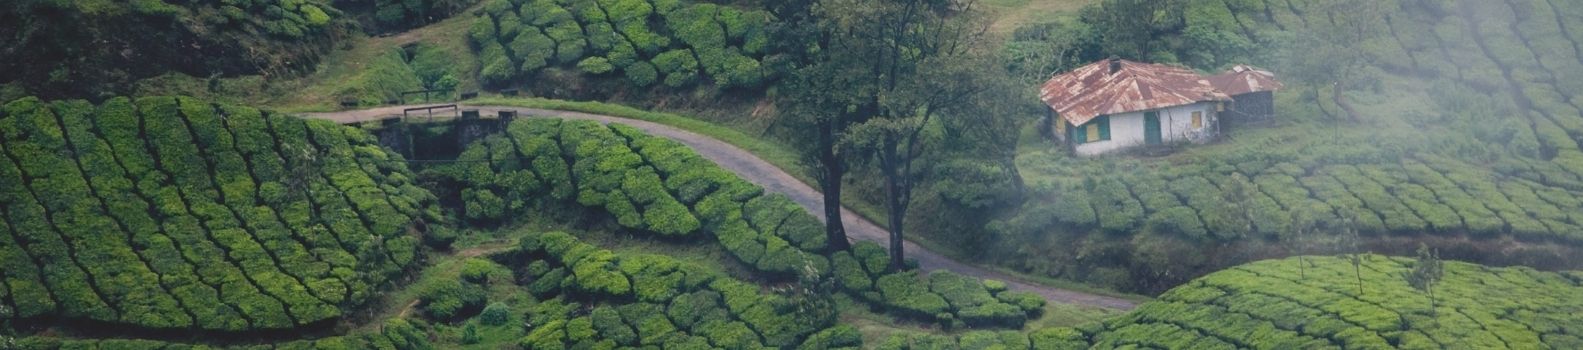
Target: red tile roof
{"points": [[1094, 90], [1243, 79]]}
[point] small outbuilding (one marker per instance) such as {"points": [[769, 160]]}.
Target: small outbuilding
{"points": [[1117, 104], [1252, 92]]}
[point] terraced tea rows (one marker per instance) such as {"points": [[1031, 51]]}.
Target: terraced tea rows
{"points": [[653, 300], [670, 41], [1424, 193], [659, 186], [1516, 170], [1271, 304], [175, 213]]}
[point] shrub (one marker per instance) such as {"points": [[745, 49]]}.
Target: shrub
{"points": [[728, 334], [1057, 338], [872, 255], [597, 273], [849, 273], [548, 284], [961, 292], [904, 293], [840, 336], [993, 314], [1029, 302], [495, 314], [690, 309], [446, 299], [533, 49], [551, 335], [595, 65], [479, 270], [610, 326], [667, 217], [641, 73]]}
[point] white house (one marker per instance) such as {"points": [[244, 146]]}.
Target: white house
{"points": [[1115, 104]]}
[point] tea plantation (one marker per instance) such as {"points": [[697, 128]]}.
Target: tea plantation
{"points": [[1272, 304], [672, 42], [1466, 131], [176, 213], [663, 188], [1330, 304], [1517, 173]]}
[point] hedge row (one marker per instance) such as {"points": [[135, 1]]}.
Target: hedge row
{"points": [[174, 213], [1272, 305], [951, 299], [1055, 338], [657, 185], [1513, 71], [1407, 195], [648, 42], [654, 300], [394, 334], [1269, 304], [647, 184]]}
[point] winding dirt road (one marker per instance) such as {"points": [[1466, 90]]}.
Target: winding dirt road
{"points": [[774, 179]]}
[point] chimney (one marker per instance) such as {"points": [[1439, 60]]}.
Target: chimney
{"points": [[1115, 64]]}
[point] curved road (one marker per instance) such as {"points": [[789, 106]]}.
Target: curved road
{"points": [[774, 179]]}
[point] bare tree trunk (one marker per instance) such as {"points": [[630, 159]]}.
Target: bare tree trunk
{"points": [[1321, 104], [1339, 98], [830, 183], [893, 204]]}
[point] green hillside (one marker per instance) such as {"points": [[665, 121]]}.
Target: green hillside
{"points": [[1274, 304], [98, 48], [1330, 304], [649, 42], [662, 188], [1458, 126], [175, 213]]}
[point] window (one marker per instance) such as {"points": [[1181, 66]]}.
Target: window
{"points": [[1198, 119], [1097, 129]]}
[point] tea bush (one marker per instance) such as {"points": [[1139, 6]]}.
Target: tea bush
{"points": [[177, 213], [648, 41], [659, 186]]}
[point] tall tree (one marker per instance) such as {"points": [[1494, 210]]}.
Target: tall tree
{"points": [[1130, 28], [905, 68], [1327, 54], [1302, 224], [1427, 271], [819, 105]]}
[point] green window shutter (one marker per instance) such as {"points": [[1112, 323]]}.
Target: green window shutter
{"points": [[1104, 127]]}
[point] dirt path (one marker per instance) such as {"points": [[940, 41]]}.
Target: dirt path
{"points": [[764, 174]]}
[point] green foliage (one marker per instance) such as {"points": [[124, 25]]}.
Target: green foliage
{"points": [[196, 38], [401, 14], [1268, 304], [668, 42], [172, 215], [673, 302], [641, 73], [495, 314], [447, 299], [904, 292], [595, 65]]}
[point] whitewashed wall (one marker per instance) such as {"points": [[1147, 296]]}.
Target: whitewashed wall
{"points": [[1176, 124]]}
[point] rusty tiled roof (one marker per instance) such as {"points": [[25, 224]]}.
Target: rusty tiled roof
{"points": [[1093, 90], [1243, 79]]}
